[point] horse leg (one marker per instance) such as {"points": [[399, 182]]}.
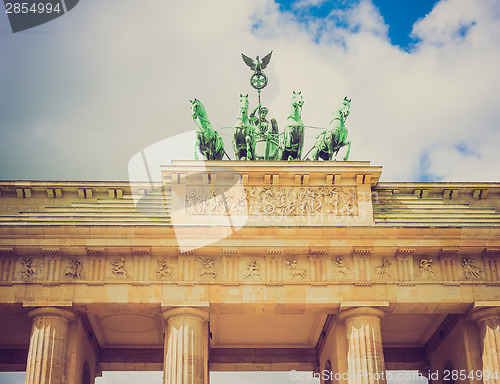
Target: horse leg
{"points": [[284, 154], [301, 143], [218, 148], [197, 146], [235, 147], [315, 154], [249, 148], [348, 150]]}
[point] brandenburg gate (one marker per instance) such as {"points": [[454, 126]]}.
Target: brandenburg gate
{"points": [[251, 266]]}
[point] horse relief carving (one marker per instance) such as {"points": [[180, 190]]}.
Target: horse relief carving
{"points": [[291, 265], [29, 271], [341, 269], [470, 270], [163, 271], [74, 269], [119, 268], [207, 268]]}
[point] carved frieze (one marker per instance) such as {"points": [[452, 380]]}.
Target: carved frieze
{"points": [[384, 269], [291, 265], [252, 270], [426, 270], [272, 200], [340, 268], [207, 268], [118, 268], [471, 271], [279, 265], [74, 269], [29, 271], [164, 270]]}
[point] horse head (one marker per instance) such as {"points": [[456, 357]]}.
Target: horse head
{"points": [[340, 113], [296, 106], [195, 105], [297, 99], [199, 112], [345, 107]]}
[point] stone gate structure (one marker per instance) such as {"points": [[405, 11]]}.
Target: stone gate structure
{"points": [[251, 266]]}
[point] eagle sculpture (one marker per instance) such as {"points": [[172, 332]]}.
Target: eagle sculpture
{"points": [[257, 65]]}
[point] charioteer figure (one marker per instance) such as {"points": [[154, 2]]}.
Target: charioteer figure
{"points": [[267, 134]]}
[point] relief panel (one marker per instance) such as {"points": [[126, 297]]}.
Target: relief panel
{"points": [[272, 201]]}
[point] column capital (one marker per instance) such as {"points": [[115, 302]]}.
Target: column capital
{"points": [[52, 311], [185, 311], [485, 313], [361, 311]]}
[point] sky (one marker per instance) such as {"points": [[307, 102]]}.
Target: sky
{"points": [[81, 95], [84, 93]]}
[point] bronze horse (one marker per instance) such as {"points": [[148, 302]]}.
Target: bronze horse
{"points": [[329, 142], [243, 133], [208, 140], [293, 138]]}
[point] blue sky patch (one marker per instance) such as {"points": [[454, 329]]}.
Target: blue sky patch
{"points": [[399, 15], [424, 173], [465, 150], [464, 29]]}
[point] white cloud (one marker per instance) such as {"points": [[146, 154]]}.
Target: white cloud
{"points": [[366, 18]]}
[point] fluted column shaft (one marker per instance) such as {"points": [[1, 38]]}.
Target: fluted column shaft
{"points": [[185, 348], [47, 352], [488, 323], [365, 356]]}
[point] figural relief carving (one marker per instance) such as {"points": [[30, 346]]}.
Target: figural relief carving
{"points": [[275, 201], [341, 269], [426, 271], [253, 270], [163, 271], [119, 268], [29, 271], [470, 270], [207, 268], [74, 269], [291, 265], [383, 271]]}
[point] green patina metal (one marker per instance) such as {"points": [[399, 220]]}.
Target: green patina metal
{"points": [[256, 138], [329, 142], [293, 138], [267, 134], [208, 140], [259, 79], [243, 133]]}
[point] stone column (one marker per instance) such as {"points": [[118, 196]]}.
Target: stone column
{"points": [[186, 348], [47, 352], [488, 323], [365, 356]]}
